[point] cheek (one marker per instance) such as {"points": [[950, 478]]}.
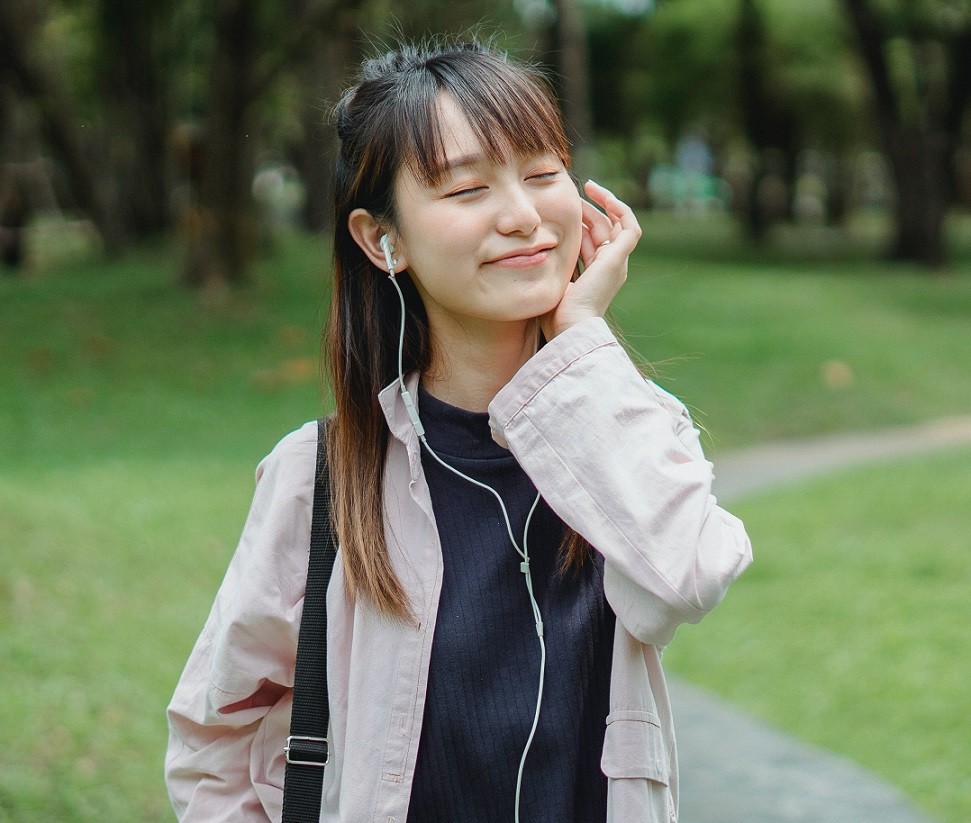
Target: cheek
{"points": [[446, 234], [571, 218], [429, 238], [564, 209]]}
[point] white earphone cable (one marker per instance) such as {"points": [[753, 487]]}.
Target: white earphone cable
{"points": [[523, 552]]}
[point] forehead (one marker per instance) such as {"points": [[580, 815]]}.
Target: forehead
{"points": [[458, 138]]}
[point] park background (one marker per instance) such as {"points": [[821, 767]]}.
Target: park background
{"points": [[802, 172]]}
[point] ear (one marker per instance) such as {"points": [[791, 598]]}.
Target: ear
{"points": [[367, 233]]}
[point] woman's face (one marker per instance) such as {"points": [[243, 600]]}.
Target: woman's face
{"points": [[493, 242]]}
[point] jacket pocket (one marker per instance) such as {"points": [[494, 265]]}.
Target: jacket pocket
{"points": [[634, 747], [636, 764]]}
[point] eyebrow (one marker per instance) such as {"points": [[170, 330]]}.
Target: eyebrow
{"points": [[463, 161], [466, 161]]}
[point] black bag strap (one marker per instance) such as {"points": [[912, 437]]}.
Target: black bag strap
{"points": [[307, 749]]}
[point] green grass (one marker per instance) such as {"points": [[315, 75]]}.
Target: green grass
{"points": [[131, 419], [748, 345], [851, 629], [111, 570], [132, 416], [117, 362]]}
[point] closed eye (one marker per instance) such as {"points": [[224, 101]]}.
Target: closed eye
{"points": [[546, 175], [470, 190]]}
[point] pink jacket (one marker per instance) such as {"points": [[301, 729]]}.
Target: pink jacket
{"points": [[615, 456]]}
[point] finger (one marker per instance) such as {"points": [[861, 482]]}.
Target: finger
{"points": [[617, 209], [596, 222], [621, 216], [605, 199], [606, 251], [596, 241], [588, 247], [608, 201]]}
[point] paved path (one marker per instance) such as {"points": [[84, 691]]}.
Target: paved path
{"points": [[735, 769], [777, 464]]}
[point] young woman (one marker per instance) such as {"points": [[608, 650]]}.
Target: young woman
{"points": [[523, 519]]}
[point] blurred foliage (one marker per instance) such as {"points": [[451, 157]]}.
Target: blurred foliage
{"points": [[676, 68], [660, 70]]}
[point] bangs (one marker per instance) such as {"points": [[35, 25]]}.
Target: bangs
{"points": [[511, 111]]}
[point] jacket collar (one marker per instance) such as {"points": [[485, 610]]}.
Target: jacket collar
{"points": [[393, 406]]}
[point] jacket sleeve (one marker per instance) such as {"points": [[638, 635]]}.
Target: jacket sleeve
{"points": [[242, 663], [619, 460]]}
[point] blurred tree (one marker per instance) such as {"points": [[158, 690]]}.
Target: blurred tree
{"points": [[42, 83], [223, 239], [133, 61], [818, 74], [15, 211], [108, 104], [918, 59], [615, 108], [14, 205], [254, 44], [688, 50], [762, 80], [108, 63], [321, 73], [767, 118], [570, 56]]}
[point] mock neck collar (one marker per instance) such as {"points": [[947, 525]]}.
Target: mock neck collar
{"points": [[399, 424], [457, 432]]}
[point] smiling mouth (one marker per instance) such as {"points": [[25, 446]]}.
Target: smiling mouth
{"points": [[523, 259]]}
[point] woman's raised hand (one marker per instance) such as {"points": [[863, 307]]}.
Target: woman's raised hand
{"points": [[608, 238]]}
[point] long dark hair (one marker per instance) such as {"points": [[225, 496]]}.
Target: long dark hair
{"points": [[386, 122]]}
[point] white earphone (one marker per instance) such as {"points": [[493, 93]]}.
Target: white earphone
{"points": [[388, 248]]}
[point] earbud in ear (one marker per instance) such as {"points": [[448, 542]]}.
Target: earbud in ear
{"points": [[388, 249]]}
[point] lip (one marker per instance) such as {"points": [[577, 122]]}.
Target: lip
{"points": [[521, 258]]}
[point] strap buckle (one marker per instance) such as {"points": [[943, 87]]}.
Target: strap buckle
{"points": [[303, 750]]}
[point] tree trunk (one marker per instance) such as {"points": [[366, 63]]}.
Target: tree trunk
{"points": [[58, 122], [15, 209], [918, 154], [224, 238], [959, 95], [573, 62], [322, 72], [838, 192], [756, 110], [137, 100], [919, 164]]}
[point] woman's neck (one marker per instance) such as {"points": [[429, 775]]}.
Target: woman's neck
{"points": [[470, 366]]}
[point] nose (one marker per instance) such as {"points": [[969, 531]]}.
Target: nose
{"points": [[518, 213]]}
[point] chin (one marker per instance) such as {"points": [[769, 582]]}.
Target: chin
{"points": [[538, 302]]}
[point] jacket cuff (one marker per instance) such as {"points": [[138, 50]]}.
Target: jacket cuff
{"points": [[555, 357]]}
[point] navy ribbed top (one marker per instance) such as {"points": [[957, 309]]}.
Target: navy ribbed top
{"points": [[485, 660]]}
